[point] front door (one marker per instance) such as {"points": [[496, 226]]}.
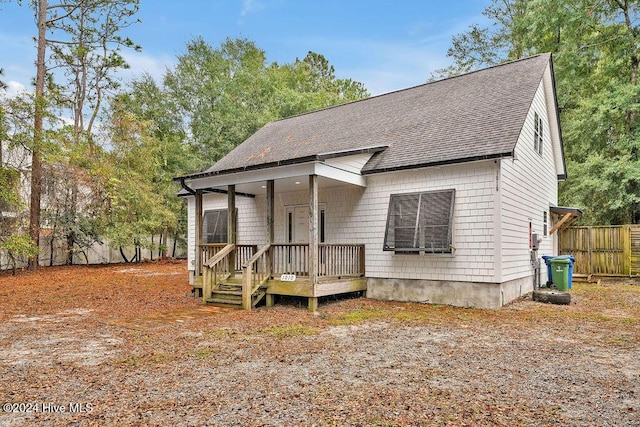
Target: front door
{"points": [[297, 224]]}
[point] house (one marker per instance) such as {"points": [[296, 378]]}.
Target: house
{"points": [[437, 193]]}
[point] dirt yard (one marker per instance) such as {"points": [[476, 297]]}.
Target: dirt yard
{"points": [[128, 345]]}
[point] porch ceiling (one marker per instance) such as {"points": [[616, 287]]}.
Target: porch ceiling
{"points": [[284, 185], [286, 178]]}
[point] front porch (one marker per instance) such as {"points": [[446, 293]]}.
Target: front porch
{"points": [[242, 275]]}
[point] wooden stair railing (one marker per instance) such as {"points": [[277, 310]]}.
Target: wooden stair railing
{"points": [[255, 273], [218, 263]]}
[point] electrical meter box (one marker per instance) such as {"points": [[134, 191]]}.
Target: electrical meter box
{"points": [[535, 241]]}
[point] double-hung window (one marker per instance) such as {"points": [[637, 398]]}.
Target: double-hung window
{"points": [[420, 222], [537, 133]]}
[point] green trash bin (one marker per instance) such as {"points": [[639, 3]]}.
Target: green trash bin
{"points": [[560, 273]]}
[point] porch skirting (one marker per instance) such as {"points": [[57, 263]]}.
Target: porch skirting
{"points": [[459, 294]]}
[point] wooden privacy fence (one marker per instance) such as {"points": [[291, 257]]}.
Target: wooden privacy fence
{"points": [[604, 250]]}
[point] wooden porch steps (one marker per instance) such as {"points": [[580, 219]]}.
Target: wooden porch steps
{"points": [[229, 294]]}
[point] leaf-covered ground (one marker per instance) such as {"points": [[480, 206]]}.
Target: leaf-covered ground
{"points": [[128, 345]]}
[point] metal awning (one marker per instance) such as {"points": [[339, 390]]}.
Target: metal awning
{"points": [[566, 215]]}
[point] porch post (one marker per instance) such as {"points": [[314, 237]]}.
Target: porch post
{"points": [[198, 236], [313, 239], [270, 208], [231, 226], [270, 232]]}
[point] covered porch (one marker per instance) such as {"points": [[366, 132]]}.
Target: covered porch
{"points": [[304, 264]]}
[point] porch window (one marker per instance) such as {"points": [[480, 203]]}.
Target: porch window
{"points": [[420, 222], [214, 226]]}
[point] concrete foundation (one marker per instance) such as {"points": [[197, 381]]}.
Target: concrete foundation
{"points": [[460, 294]]}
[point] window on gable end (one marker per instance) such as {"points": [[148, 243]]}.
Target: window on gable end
{"points": [[420, 222], [538, 132]]}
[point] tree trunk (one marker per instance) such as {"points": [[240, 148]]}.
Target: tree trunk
{"points": [[13, 264], [70, 245], [175, 241], [124, 257], [52, 239], [36, 165]]}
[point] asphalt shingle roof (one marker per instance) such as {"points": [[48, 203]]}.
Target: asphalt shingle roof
{"points": [[471, 116]]}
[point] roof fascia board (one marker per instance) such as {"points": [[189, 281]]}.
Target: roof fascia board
{"points": [[256, 175], [372, 150], [324, 170], [442, 163], [551, 98], [281, 172]]}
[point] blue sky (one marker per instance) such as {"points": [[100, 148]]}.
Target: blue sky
{"points": [[387, 45]]}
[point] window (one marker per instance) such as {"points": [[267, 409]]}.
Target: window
{"points": [[420, 222], [544, 223], [214, 226], [537, 133]]}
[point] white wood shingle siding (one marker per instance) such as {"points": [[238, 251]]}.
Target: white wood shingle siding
{"points": [[529, 186], [473, 236], [358, 215]]}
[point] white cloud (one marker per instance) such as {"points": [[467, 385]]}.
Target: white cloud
{"points": [[140, 63], [14, 88], [250, 6]]}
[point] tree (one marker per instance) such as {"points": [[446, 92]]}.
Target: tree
{"points": [[596, 62], [145, 113], [228, 93], [480, 47], [141, 199], [38, 116], [83, 39], [14, 242], [3, 85]]}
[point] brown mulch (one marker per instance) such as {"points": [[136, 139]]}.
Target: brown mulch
{"points": [[129, 345]]}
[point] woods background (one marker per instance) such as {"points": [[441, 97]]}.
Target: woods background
{"points": [[96, 154]]}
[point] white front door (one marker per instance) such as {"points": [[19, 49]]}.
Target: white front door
{"points": [[297, 224], [300, 225]]}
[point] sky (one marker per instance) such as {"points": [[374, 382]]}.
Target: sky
{"points": [[387, 45]]}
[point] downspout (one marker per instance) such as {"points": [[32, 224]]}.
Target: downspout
{"points": [[186, 188]]}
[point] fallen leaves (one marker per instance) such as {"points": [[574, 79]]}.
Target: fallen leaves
{"points": [[133, 342]]}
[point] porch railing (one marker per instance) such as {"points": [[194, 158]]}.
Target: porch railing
{"points": [[209, 250], [290, 258], [214, 267], [255, 273], [333, 259], [340, 260], [242, 252], [273, 260]]}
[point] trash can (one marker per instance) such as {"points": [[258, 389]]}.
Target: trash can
{"points": [[560, 272], [572, 261], [547, 260]]}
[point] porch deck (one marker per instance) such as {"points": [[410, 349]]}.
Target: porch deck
{"points": [[278, 269]]}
